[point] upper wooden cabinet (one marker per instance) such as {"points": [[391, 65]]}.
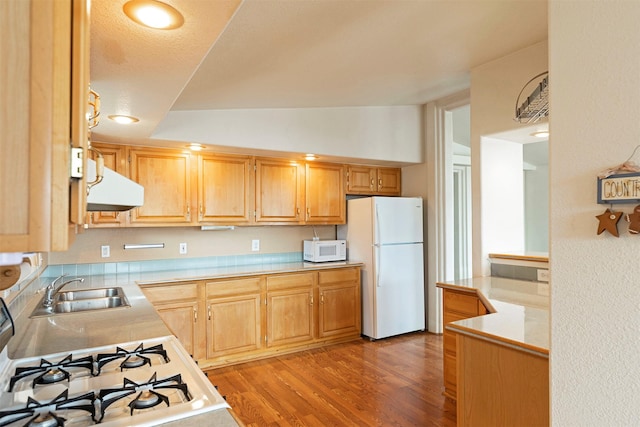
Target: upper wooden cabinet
{"points": [[373, 181], [43, 93], [279, 191], [115, 158], [166, 178], [224, 189], [325, 194]]}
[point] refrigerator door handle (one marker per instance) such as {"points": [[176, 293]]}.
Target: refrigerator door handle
{"points": [[378, 265], [377, 224]]}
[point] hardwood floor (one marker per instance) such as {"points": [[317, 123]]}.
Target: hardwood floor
{"points": [[391, 382]]}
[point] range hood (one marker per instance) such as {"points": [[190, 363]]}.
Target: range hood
{"points": [[113, 193]]}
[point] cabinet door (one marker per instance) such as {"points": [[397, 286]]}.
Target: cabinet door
{"points": [[166, 178], [289, 316], [325, 194], [35, 92], [361, 180], [233, 325], [389, 181], [339, 311], [115, 159], [224, 190], [181, 319], [279, 191]]}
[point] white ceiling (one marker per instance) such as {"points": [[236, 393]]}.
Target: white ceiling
{"points": [[296, 53]]}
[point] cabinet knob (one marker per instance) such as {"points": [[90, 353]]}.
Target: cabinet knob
{"points": [[195, 315], [209, 312]]}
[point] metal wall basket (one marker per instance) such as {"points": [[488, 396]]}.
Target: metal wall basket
{"points": [[536, 106]]}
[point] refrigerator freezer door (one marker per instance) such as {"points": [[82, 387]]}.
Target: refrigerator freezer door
{"points": [[399, 290], [397, 220]]}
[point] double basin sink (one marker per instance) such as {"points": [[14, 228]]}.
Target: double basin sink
{"points": [[81, 300]]}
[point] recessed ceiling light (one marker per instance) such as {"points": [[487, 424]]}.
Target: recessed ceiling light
{"points": [[123, 120], [195, 147], [541, 134], [153, 14], [310, 157]]}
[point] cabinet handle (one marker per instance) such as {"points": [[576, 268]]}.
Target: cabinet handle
{"points": [[297, 212], [188, 212], [195, 315], [373, 182], [209, 312], [308, 213], [311, 299], [201, 211], [380, 183], [321, 298]]}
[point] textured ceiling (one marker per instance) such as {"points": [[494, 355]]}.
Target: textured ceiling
{"points": [[294, 53]]}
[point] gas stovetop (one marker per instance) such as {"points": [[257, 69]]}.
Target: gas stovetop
{"points": [[137, 383]]}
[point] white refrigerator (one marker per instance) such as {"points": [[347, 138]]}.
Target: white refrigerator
{"points": [[385, 234]]}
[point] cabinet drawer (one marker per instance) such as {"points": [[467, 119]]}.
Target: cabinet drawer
{"points": [[170, 293], [221, 288], [450, 377], [461, 303], [338, 275], [290, 281]]}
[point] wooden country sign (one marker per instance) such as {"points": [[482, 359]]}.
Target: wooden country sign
{"points": [[621, 188]]}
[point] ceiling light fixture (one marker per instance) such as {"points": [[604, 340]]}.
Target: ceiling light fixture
{"points": [[123, 120], [195, 147], [541, 134], [310, 157], [153, 14]]}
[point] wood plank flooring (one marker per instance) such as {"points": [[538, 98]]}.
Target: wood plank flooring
{"points": [[391, 382]]}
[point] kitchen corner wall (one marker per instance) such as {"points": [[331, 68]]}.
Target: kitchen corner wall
{"points": [[273, 240]]}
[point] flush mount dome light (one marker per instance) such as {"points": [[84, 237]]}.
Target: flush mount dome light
{"points": [[123, 120], [541, 134], [153, 14], [310, 157], [195, 147]]}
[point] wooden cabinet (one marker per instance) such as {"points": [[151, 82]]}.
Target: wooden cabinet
{"points": [[325, 194], [44, 96], [279, 191], [234, 316], [178, 306], [224, 189], [457, 305], [373, 180], [290, 308], [339, 302], [166, 178], [232, 320], [115, 158]]}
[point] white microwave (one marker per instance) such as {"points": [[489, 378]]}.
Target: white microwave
{"points": [[325, 250]]}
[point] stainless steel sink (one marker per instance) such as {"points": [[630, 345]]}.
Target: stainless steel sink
{"points": [[83, 300]]}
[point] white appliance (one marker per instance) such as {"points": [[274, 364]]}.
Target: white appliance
{"points": [[325, 250], [385, 233]]}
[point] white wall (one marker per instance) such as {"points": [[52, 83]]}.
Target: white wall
{"points": [[494, 89], [391, 134], [594, 58], [502, 187], [536, 209]]}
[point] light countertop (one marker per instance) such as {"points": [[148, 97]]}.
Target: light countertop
{"points": [[519, 315]]}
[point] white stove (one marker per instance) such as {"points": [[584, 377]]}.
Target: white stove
{"points": [[142, 384]]}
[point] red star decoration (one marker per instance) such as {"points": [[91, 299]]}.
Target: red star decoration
{"points": [[609, 222], [634, 221]]}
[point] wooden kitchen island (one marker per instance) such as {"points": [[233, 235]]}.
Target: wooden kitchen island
{"points": [[496, 351]]}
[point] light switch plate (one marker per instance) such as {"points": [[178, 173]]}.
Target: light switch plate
{"points": [[543, 275], [183, 248], [106, 251], [255, 245]]}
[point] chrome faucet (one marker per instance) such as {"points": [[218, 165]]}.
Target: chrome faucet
{"points": [[52, 290]]}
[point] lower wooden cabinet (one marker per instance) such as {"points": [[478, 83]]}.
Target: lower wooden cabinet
{"points": [[457, 305], [178, 306], [234, 316], [232, 320]]}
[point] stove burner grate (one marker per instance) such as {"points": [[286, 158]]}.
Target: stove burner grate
{"points": [[50, 372], [43, 413], [132, 359], [148, 396]]}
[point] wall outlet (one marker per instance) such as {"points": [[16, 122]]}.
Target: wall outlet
{"points": [[255, 245], [543, 275], [106, 251], [183, 248]]}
